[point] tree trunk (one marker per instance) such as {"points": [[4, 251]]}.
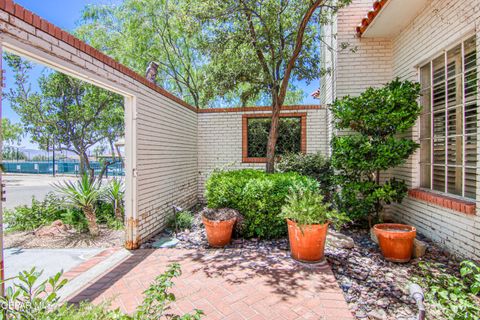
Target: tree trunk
{"points": [[273, 136], [91, 220], [118, 210]]}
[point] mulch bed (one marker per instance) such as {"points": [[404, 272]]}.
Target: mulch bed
{"points": [[107, 238]]}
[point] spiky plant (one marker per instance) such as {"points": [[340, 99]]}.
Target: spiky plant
{"points": [[114, 193], [83, 194]]}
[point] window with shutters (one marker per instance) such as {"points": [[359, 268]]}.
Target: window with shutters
{"points": [[448, 123]]}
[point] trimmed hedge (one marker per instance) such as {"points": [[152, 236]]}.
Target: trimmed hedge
{"points": [[258, 196]]}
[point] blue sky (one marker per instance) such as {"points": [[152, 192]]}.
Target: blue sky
{"points": [[65, 14]]}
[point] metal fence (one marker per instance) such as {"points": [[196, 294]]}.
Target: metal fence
{"points": [[61, 167]]}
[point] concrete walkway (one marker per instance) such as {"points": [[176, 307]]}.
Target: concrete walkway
{"points": [[225, 284], [51, 261]]}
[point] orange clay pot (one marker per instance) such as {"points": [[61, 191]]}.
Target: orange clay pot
{"points": [[395, 240], [219, 233], [307, 244]]}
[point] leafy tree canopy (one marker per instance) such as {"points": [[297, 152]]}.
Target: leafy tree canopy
{"points": [[12, 133], [67, 113], [192, 64]]}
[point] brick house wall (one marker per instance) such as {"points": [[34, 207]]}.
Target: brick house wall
{"points": [[376, 61]]}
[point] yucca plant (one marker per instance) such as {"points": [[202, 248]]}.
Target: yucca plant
{"points": [[83, 194], [114, 193]]}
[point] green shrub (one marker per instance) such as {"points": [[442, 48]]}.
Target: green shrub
{"points": [[315, 166], [375, 121], [258, 196], [307, 207], [450, 296], [29, 299], [39, 213], [181, 220]]}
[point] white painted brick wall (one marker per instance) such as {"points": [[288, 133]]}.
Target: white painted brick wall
{"points": [[220, 141], [166, 131], [441, 24]]}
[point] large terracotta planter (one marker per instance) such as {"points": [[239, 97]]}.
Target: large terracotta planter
{"points": [[219, 232], [395, 240], [307, 244]]}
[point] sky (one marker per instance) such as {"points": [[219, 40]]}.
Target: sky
{"points": [[65, 14]]}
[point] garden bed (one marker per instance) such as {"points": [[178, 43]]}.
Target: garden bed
{"points": [[373, 288], [108, 238]]}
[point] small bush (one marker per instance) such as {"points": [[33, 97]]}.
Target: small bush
{"points": [[307, 207], [30, 299], [258, 196], [450, 296], [53, 207], [39, 213], [181, 220], [315, 166]]}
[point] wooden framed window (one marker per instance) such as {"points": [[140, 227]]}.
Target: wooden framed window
{"points": [[448, 123], [256, 127]]}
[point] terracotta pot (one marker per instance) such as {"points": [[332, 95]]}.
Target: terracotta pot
{"points": [[307, 244], [395, 240], [219, 232]]}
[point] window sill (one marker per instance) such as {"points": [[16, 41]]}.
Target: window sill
{"points": [[467, 207]]}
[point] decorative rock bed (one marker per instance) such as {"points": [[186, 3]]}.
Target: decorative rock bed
{"points": [[373, 288]]}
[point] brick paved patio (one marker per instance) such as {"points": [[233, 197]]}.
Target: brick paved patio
{"points": [[226, 284]]}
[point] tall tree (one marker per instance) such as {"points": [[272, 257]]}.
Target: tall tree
{"points": [[137, 32], [67, 113], [264, 45]]}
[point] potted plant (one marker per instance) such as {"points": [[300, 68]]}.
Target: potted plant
{"points": [[395, 240], [308, 218], [219, 225]]}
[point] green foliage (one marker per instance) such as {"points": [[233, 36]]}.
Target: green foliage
{"points": [[252, 43], [115, 193], [470, 272], [374, 120], [39, 213], [136, 32], [450, 295], [83, 194], [12, 133], [258, 196], [48, 115], [307, 207], [30, 300], [70, 210], [157, 297], [315, 166], [289, 136], [181, 220]]}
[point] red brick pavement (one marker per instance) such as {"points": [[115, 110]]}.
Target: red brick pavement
{"points": [[226, 284]]}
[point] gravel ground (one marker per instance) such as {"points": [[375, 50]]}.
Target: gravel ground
{"points": [[373, 288], [26, 239]]}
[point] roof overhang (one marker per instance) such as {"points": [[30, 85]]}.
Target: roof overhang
{"points": [[388, 17]]}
